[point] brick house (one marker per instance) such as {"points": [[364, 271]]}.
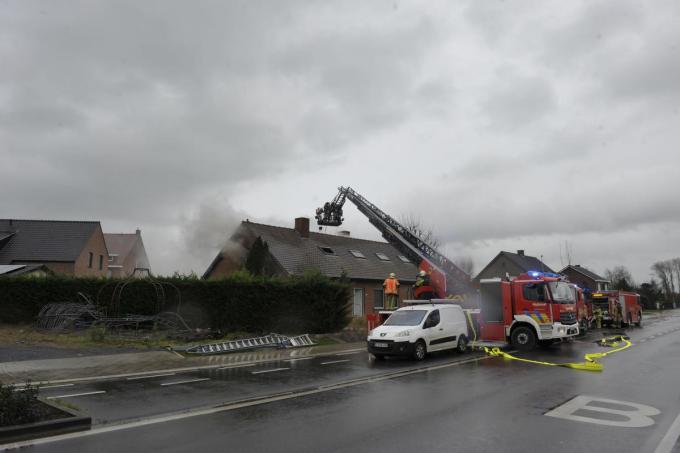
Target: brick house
{"points": [[126, 253], [293, 251], [586, 279], [513, 264], [64, 247]]}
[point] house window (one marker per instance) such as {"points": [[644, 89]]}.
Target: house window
{"points": [[89, 261], [404, 259], [378, 298], [358, 302], [382, 256], [101, 262], [357, 254], [327, 250]]}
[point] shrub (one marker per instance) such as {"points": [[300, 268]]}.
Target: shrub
{"points": [[19, 407]]}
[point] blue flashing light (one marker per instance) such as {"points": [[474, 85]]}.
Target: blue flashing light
{"points": [[535, 273]]}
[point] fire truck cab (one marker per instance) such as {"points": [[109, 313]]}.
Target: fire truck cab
{"points": [[533, 308], [630, 305]]}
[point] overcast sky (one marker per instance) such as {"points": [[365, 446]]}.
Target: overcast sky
{"points": [[501, 125]]}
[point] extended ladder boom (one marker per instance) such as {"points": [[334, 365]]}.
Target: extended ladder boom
{"points": [[408, 243]]}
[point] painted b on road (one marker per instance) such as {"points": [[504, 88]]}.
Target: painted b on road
{"points": [[603, 411]]}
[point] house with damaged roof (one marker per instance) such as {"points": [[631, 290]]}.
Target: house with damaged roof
{"points": [[511, 264], [294, 251], [586, 279]]}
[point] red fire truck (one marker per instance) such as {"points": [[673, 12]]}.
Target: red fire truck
{"points": [[534, 308], [630, 305], [584, 310]]}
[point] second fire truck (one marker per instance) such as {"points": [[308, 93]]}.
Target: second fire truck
{"points": [[531, 309]]}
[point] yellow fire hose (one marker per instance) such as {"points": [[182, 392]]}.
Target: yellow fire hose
{"points": [[591, 363]]}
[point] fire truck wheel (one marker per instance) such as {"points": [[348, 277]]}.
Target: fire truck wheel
{"points": [[462, 344], [639, 320], [523, 338], [420, 350]]}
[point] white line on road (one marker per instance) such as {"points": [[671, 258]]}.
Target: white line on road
{"points": [[189, 381], [76, 394], [335, 361], [238, 366], [298, 359], [269, 371], [350, 353], [44, 387], [671, 437], [136, 378]]}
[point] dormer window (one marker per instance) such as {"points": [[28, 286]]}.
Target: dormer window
{"points": [[357, 254], [327, 250], [382, 256], [404, 259]]}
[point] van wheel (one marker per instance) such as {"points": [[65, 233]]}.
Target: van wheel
{"points": [[523, 338], [639, 321], [420, 350], [462, 344]]}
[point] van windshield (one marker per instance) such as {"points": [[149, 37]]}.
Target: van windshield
{"points": [[405, 318]]}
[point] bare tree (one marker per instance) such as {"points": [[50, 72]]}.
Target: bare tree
{"points": [[620, 277], [416, 227], [668, 275], [567, 252], [466, 264]]}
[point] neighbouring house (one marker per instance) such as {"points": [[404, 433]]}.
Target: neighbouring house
{"points": [[294, 251], [126, 253], [511, 264], [586, 279], [24, 270], [64, 247]]}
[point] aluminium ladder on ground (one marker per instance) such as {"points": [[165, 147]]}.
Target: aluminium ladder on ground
{"points": [[267, 341]]}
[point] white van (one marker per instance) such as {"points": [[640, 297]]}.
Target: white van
{"points": [[419, 329]]}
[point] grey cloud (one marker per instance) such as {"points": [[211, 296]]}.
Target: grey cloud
{"points": [[518, 101]]}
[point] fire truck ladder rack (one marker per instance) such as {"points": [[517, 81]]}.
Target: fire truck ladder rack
{"points": [[267, 341], [412, 246]]}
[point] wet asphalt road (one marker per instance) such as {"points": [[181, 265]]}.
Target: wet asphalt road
{"points": [[472, 405]]}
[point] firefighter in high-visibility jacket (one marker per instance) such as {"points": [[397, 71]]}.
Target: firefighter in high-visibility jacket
{"points": [[422, 289], [618, 314], [391, 287], [597, 312]]}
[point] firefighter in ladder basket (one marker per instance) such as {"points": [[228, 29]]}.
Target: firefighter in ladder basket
{"points": [[422, 290], [391, 286]]}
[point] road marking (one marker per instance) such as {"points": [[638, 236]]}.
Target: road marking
{"points": [[270, 371], [237, 366], [189, 381], [668, 442], [349, 353], [136, 378], [44, 387], [635, 415], [297, 360], [73, 395], [335, 361], [236, 405]]}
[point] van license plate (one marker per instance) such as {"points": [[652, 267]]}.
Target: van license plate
{"points": [[380, 345]]}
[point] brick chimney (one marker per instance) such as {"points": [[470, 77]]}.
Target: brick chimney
{"points": [[302, 226], [520, 252]]}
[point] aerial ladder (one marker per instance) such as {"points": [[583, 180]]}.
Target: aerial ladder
{"points": [[447, 279]]}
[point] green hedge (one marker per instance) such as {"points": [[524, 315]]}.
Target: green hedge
{"points": [[309, 304]]}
